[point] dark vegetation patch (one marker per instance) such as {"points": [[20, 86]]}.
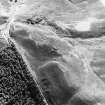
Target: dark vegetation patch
{"points": [[17, 86]]}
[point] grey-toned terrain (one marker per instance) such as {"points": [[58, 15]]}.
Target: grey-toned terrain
{"points": [[52, 52]]}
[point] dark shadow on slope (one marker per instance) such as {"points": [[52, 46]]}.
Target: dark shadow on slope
{"points": [[85, 34], [40, 52], [53, 83]]}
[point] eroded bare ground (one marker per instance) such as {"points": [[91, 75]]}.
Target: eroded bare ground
{"points": [[62, 44]]}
